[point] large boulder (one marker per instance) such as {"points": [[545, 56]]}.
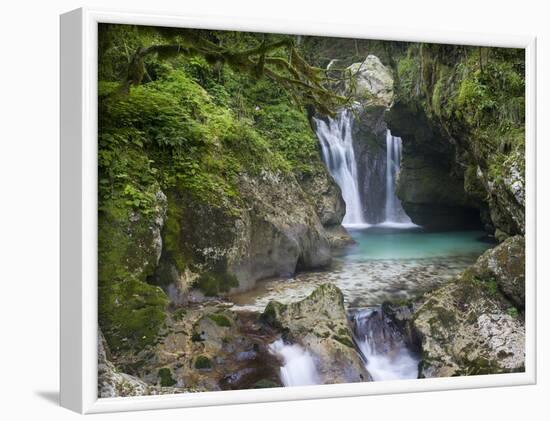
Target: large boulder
{"points": [[319, 324], [371, 82], [131, 311], [505, 265], [468, 327], [273, 231]]}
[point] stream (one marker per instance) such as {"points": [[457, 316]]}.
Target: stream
{"points": [[390, 261]]}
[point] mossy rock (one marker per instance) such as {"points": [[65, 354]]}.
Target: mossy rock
{"points": [[203, 363], [265, 384], [131, 314], [220, 320], [165, 376]]}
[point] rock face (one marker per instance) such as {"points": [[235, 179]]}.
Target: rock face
{"points": [[505, 264], [469, 326], [274, 231], [485, 145], [369, 134], [282, 232], [131, 311], [319, 323], [371, 82], [430, 184]]}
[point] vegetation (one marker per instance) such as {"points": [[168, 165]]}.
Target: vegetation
{"points": [[165, 376], [203, 363], [188, 124]]}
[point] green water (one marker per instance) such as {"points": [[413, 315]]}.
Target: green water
{"points": [[390, 243]]}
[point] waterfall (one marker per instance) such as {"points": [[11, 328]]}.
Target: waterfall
{"points": [[299, 367], [394, 213], [382, 347], [339, 157]]}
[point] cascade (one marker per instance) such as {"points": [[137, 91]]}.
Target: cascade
{"points": [[337, 150], [382, 347], [298, 366], [394, 213]]}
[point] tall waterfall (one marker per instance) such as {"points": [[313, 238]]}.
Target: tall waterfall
{"points": [[382, 347], [339, 157], [298, 368], [394, 213]]}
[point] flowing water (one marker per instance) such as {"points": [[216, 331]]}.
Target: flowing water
{"points": [[386, 355], [298, 367], [335, 138], [393, 211], [390, 261]]}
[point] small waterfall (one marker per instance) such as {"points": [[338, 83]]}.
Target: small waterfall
{"points": [[299, 367], [394, 213], [382, 347], [339, 157]]}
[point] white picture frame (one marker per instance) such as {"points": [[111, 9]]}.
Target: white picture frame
{"points": [[79, 214]]}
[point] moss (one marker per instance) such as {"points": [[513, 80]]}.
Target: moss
{"points": [[179, 314], [131, 314], [212, 283], [512, 311], [220, 320], [203, 363], [165, 376], [271, 314], [344, 340], [265, 384]]}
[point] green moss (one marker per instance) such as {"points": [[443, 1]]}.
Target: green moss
{"points": [[265, 384], [344, 340], [166, 379], [179, 314], [203, 363], [131, 314], [271, 314], [512, 311], [212, 283], [220, 320]]}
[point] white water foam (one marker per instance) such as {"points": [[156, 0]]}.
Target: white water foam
{"points": [[299, 367]]}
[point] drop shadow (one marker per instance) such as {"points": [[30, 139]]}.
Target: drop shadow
{"points": [[51, 396]]}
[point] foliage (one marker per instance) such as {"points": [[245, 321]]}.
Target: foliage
{"points": [[166, 379], [202, 362]]}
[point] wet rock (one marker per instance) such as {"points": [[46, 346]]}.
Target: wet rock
{"points": [[505, 264], [319, 324], [113, 383], [206, 347], [468, 327], [431, 183]]}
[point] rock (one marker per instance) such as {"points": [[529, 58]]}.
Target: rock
{"points": [[206, 347], [372, 82], [130, 242], [467, 327], [274, 230], [505, 264], [112, 383], [431, 184], [326, 197], [319, 323]]}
